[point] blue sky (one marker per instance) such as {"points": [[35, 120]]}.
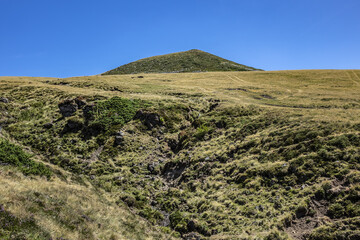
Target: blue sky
{"points": [[63, 38]]}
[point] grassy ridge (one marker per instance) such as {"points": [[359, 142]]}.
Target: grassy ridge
{"points": [[189, 61]]}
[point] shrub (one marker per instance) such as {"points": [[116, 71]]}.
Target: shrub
{"points": [[275, 235], [178, 222], [336, 210], [340, 142], [114, 111], [202, 131], [15, 156]]}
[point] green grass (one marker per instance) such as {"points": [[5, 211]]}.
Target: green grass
{"points": [[15, 156], [189, 61], [114, 111], [239, 155]]}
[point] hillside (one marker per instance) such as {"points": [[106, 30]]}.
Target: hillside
{"points": [[214, 155], [189, 61]]}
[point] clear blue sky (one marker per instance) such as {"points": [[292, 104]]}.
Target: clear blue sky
{"points": [[63, 38]]}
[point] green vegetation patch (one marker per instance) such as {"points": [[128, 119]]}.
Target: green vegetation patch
{"points": [[114, 111], [14, 155], [190, 61]]}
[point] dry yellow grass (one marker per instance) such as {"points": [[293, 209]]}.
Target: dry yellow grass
{"points": [[61, 205], [327, 95]]}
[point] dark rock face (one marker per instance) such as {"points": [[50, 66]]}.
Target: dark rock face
{"points": [[4, 100], [173, 170], [68, 108], [72, 126], [173, 144], [150, 120], [92, 131], [80, 102], [87, 111]]}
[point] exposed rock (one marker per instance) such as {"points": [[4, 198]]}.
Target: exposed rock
{"points": [[173, 170], [301, 212], [151, 167], [192, 236], [73, 126], [220, 124], [87, 111], [48, 125], [68, 108], [150, 120], [80, 102], [191, 225], [213, 106], [92, 130], [119, 138], [166, 220], [4, 100], [173, 144]]}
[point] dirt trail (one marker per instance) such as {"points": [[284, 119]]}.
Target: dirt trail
{"points": [[357, 76], [352, 78], [302, 226], [237, 79]]}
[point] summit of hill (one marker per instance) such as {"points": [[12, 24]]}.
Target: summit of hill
{"points": [[189, 61]]}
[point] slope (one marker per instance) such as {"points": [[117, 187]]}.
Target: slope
{"points": [[217, 155], [189, 61]]}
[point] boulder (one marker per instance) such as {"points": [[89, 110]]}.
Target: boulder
{"points": [[68, 108]]}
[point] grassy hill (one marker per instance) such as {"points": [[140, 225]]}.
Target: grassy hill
{"points": [[215, 155], [189, 61]]}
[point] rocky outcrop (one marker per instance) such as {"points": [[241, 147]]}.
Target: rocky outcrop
{"points": [[172, 170], [70, 106], [149, 119], [73, 125]]}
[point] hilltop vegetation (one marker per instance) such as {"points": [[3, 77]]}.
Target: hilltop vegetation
{"points": [[189, 61], [223, 155]]}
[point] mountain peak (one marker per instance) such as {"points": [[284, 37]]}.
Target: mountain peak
{"points": [[193, 60]]}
